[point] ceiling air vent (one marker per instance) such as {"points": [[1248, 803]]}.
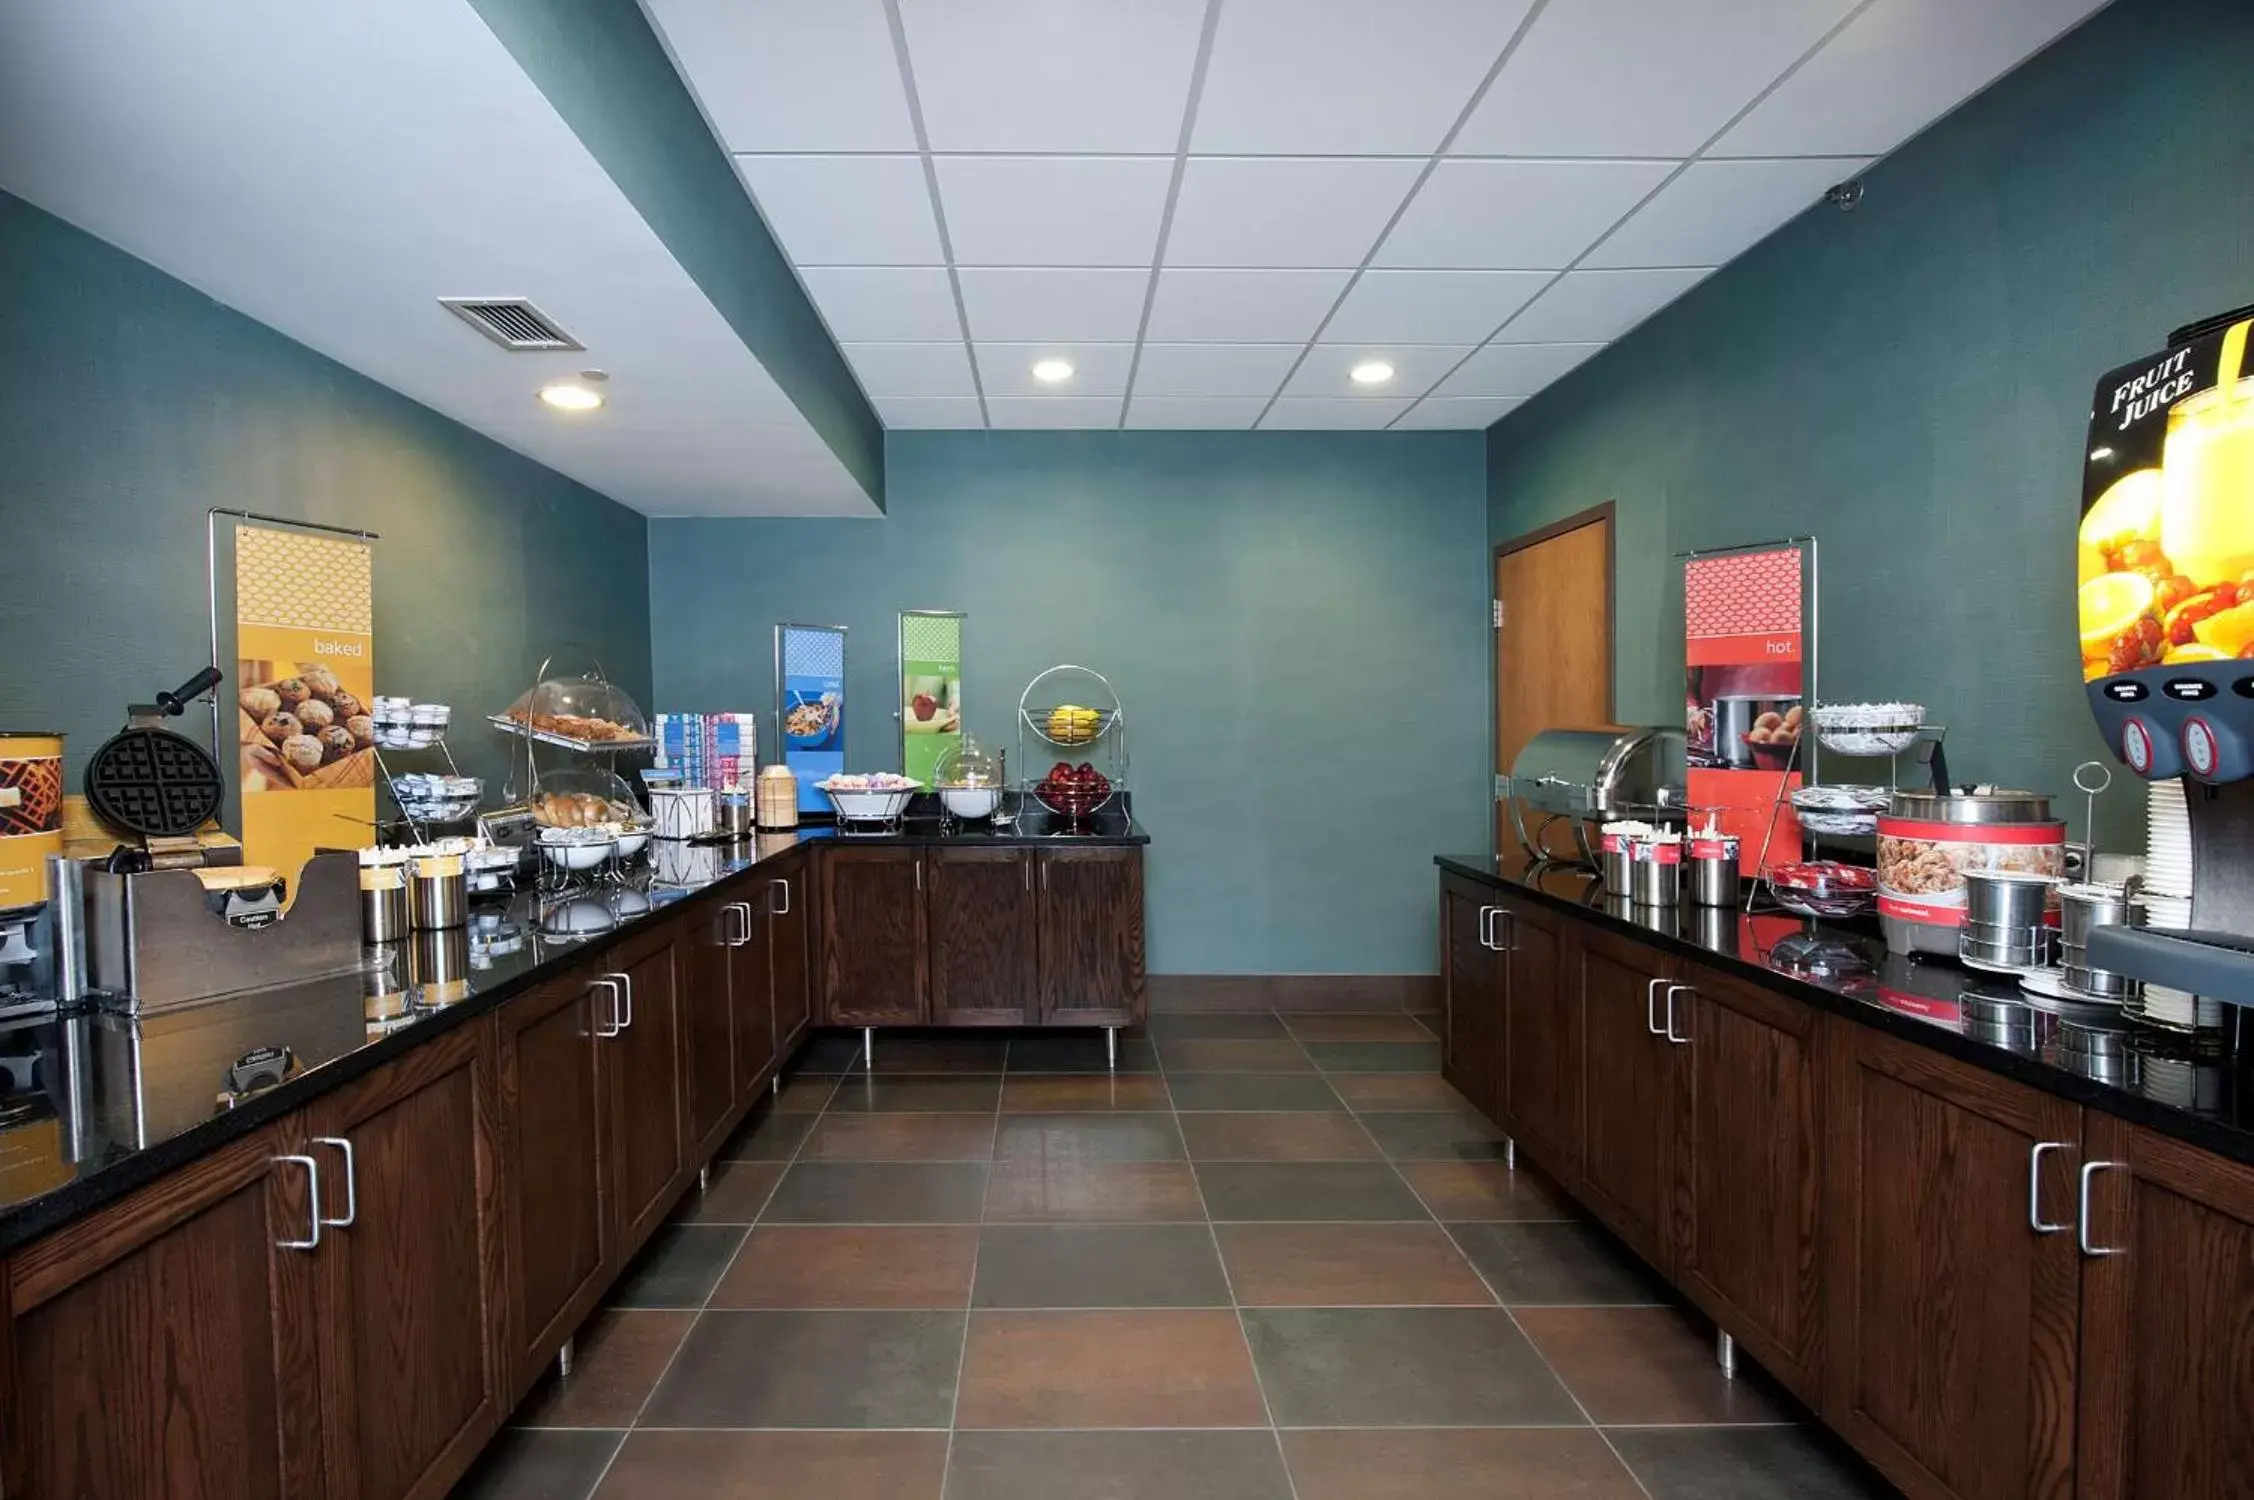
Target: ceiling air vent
{"points": [[511, 322]]}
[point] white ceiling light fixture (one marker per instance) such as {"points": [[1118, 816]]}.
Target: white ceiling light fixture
{"points": [[1371, 372], [570, 397], [1052, 371]]}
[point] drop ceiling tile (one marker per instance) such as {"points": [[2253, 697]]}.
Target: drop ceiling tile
{"points": [[1346, 77], [1415, 368], [1052, 75], [1896, 68], [1180, 412], [1717, 209], [929, 411], [1053, 210], [884, 303], [846, 210], [932, 369], [1242, 307], [1596, 306], [1431, 307], [1285, 211], [1668, 75], [1457, 413], [1337, 414], [1516, 215], [1512, 370], [1029, 305], [1053, 411], [1097, 369], [783, 75], [1208, 370]]}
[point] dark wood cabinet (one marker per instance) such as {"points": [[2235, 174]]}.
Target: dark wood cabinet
{"points": [[1471, 1044], [1626, 1164], [1952, 1278], [790, 949], [2166, 1399], [707, 972], [555, 1194], [751, 986], [1541, 1038], [985, 955], [165, 1346], [873, 940], [1091, 936], [409, 1270], [641, 1057], [1748, 1183]]}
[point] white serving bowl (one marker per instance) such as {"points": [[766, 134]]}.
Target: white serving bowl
{"points": [[578, 856], [971, 802], [633, 842]]}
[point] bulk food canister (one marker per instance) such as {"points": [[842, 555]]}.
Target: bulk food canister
{"points": [[1927, 841]]}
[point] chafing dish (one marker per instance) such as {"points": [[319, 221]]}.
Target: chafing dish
{"points": [[1583, 777]]}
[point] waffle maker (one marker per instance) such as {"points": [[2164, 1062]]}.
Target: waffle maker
{"points": [[156, 787]]}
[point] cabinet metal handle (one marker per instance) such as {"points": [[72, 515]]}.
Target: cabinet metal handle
{"points": [[1672, 991], [2035, 1219], [351, 1181], [741, 911], [784, 909], [608, 987], [919, 872], [1506, 930], [313, 1181], [1487, 915], [2090, 1169], [1028, 867], [625, 984], [1044, 872], [1651, 1007]]}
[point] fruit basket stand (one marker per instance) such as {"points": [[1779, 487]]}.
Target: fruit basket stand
{"points": [[1071, 712]]}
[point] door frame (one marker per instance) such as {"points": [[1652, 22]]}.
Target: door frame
{"points": [[1607, 514]]}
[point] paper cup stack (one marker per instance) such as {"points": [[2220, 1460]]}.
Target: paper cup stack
{"points": [[2167, 901]]}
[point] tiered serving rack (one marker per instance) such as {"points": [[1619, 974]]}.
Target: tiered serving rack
{"points": [[1074, 714], [1846, 736], [544, 716]]}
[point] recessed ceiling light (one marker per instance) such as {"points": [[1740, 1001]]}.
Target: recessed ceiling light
{"points": [[1371, 372], [1052, 371], [570, 397]]}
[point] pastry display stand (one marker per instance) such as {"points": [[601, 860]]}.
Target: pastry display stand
{"points": [[588, 694]]}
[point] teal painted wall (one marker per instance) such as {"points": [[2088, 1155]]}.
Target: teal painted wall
{"points": [[131, 403], [1910, 382], [1294, 622]]}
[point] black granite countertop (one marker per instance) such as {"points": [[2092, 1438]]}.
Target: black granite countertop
{"points": [[95, 1102], [2198, 1088]]}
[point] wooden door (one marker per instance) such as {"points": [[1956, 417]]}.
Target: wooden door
{"points": [[1628, 1081], [1748, 1181], [647, 1157], [411, 1291], [555, 1189], [1472, 979], [2167, 1373], [708, 1024], [1091, 936], [751, 982], [165, 1346], [872, 936], [1553, 640], [790, 936], [985, 960], [1952, 1319], [1541, 1044]]}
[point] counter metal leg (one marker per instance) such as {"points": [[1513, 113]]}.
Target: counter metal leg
{"points": [[1725, 1354], [775, 1084], [868, 1047], [704, 1179], [1111, 1047], [1510, 1154], [563, 1360]]}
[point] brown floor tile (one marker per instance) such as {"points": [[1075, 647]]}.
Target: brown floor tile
{"points": [[1099, 1265], [1063, 1093], [891, 1137], [1403, 1367], [974, 1094], [804, 1095], [1306, 1190], [767, 1136], [678, 1267], [1528, 1463], [1277, 1137], [1108, 1369], [1644, 1366], [940, 1054], [1088, 1138], [1395, 1026], [1081, 1052], [1397, 1091], [858, 1370], [878, 1265], [829, 1052], [1435, 1135], [878, 1192], [1236, 1092], [1153, 1192], [527, 1464], [617, 1357], [1376, 1057], [737, 1193], [1431, 1021], [1217, 1026], [1213, 1056], [1574, 1264], [1348, 1265], [1473, 1191], [1746, 1463], [1116, 1466], [778, 1466]]}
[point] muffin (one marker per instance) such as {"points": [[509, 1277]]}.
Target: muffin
{"points": [[320, 682], [363, 730], [303, 752], [346, 705], [280, 725], [337, 742], [292, 691], [259, 702], [315, 715]]}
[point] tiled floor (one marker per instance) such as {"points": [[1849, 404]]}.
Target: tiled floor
{"points": [[1275, 1257]]}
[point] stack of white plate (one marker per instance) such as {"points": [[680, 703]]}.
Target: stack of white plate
{"points": [[2167, 898]]}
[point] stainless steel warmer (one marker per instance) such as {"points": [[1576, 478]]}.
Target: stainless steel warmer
{"points": [[1583, 777]]}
